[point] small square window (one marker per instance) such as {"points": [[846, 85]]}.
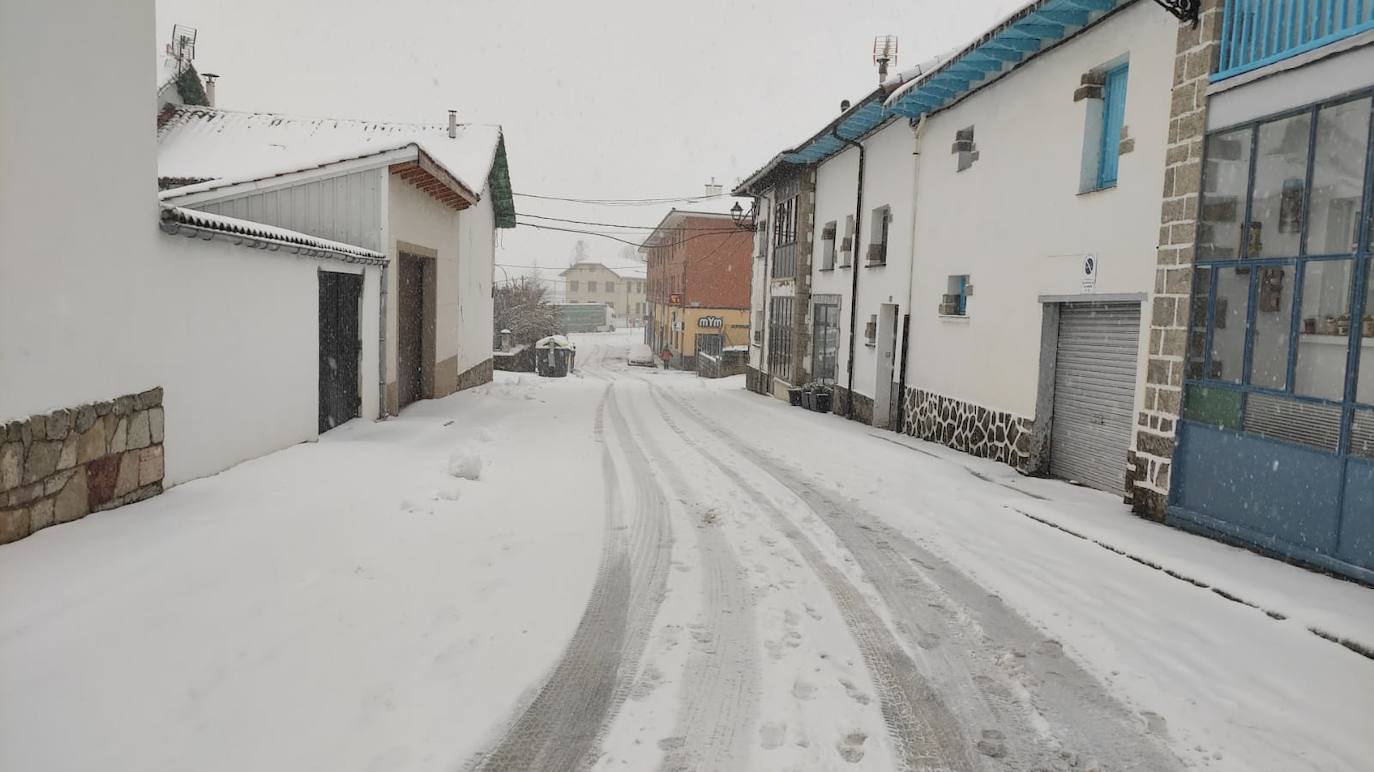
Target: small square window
{"points": [[828, 246], [955, 300]]}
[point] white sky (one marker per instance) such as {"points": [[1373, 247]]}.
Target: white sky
{"points": [[598, 98]]}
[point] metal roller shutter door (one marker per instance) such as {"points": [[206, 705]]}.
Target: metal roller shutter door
{"points": [[1094, 393]]}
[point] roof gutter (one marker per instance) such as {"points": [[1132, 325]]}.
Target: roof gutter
{"points": [[173, 227]]}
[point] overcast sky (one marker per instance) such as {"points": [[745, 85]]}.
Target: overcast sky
{"points": [[599, 99]]}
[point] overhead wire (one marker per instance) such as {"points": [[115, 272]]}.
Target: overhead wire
{"points": [[539, 226], [626, 201]]}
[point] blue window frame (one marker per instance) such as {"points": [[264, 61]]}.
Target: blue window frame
{"points": [[957, 291], [1113, 118]]}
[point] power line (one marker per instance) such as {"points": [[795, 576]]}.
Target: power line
{"points": [[538, 226], [609, 224], [626, 201]]}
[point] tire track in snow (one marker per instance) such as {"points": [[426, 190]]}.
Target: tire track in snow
{"points": [[992, 646], [561, 727], [720, 686], [925, 735]]}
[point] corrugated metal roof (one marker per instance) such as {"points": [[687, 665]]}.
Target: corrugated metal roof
{"points": [[211, 143], [174, 215]]}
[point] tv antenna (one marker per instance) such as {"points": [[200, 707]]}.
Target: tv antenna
{"points": [[183, 45], [884, 54]]}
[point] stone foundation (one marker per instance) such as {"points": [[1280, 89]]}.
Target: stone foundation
{"points": [[755, 380], [475, 375], [969, 428], [64, 465], [863, 406]]}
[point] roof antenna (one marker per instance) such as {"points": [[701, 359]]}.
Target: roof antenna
{"points": [[884, 53]]}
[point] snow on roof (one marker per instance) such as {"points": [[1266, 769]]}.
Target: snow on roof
{"points": [[205, 142], [173, 216], [920, 71], [555, 341]]}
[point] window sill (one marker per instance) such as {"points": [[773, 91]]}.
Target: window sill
{"points": [[831, 268], [883, 264], [870, 345], [1102, 189], [953, 317]]}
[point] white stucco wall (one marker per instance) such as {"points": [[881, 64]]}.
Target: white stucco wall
{"points": [[78, 204], [97, 301], [1015, 221], [417, 218], [476, 264], [239, 351]]}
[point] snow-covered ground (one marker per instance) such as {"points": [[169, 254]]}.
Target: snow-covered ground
{"points": [[638, 569]]}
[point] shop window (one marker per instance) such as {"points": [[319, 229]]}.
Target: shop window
{"points": [[955, 300], [828, 246], [1276, 216], [1229, 313], [1324, 339], [1362, 434], [1273, 327], [1338, 167], [1226, 178], [1304, 423], [1364, 384]]}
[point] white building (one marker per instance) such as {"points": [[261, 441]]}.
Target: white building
{"points": [[428, 196], [618, 283], [954, 211], [134, 357]]}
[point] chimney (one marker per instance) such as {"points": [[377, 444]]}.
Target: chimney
{"points": [[884, 53], [713, 188], [844, 105], [452, 124], [210, 88], [882, 71]]}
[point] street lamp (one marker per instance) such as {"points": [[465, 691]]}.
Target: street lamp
{"points": [[743, 220]]}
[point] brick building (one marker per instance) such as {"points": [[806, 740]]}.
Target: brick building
{"points": [[698, 282]]}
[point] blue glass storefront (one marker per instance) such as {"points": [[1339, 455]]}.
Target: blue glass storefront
{"points": [[1276, 443]]}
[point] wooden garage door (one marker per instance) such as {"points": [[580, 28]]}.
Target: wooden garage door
{"points": [[1094, 393]]}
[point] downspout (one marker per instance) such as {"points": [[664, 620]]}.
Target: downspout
{"points": [[381, 350], [911, 268], [764, 361], [854, 266]]}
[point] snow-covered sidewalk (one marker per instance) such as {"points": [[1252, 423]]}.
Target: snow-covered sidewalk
{"points": [[351, 604]]}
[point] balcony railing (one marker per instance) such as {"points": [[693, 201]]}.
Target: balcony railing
{"points": [[1256, 33]]}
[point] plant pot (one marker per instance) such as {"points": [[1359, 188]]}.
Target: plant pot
{"points": [[794, 397], [806, 399], [822, 402]]}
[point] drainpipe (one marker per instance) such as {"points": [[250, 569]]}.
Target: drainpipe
{"points": [[911, 268], [764, 363], [854, 266], [381, 350]]}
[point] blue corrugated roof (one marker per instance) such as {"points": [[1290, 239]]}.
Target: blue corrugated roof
{"points": [[1023, 34]]}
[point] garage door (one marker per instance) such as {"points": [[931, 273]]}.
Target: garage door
{"points": [[1094, 393]]}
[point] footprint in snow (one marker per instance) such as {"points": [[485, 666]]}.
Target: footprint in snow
{"points": [[772, 734], [851, 746]]}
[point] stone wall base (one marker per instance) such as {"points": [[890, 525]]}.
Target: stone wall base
{"points": [[755, 380], [863, 406], [964, 426], [64, 465], [476, 375]]}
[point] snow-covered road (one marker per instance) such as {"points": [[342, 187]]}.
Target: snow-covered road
{"points": [[637, 569]]}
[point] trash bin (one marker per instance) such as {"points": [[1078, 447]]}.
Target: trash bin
{"points": [[554, 356]]}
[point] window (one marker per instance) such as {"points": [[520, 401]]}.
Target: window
{"points": [[610, 286], [877, 247], [573, 285], [780, 338], [828, 247], [847, 246], [955, 300], [785, 229], [825, 337], [964, 148], [1113, 119], [761, 245], [1282, 305]]}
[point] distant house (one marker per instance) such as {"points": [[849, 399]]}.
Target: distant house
{"points": [[429, 197], [617, 283], [699, 279]]}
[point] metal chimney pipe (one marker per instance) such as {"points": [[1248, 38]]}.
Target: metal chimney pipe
{"points": [[882, 71], [844, 105], [452, 124], [210, 88]]}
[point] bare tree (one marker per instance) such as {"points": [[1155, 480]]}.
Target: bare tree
{"points": [[522, 308]]}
